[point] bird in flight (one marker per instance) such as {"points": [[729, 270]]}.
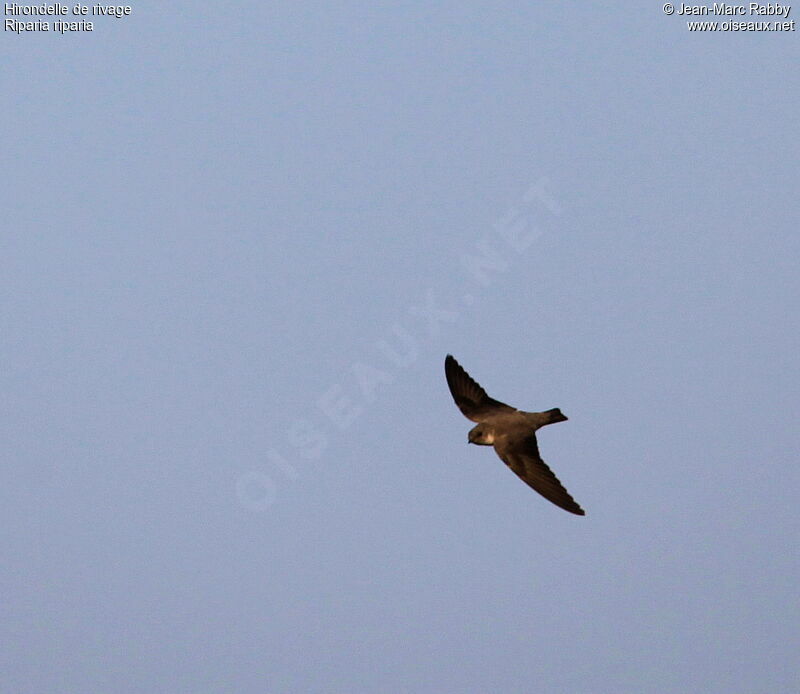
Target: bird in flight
{"points": [[512, 432]]}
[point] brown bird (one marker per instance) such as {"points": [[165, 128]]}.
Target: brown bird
{"points": [[512, 433]]}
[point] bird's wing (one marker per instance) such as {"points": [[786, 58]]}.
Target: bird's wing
{"points": [[521, 454], [471, 399]]}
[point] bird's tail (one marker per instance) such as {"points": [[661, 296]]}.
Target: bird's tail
{"points": [[556, 415]]}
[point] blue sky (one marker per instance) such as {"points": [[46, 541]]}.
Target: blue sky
{"points": [[239, 241]]}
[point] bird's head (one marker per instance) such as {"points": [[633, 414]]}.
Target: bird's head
{"points": [[481, 435]]}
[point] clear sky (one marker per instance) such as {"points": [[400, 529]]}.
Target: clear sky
{"points": [[238, 241]]}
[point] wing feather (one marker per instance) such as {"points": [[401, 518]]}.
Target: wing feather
{"points": [[470, 398], [522, 456]]}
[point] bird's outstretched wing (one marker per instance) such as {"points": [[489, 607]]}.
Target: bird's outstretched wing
{"points": [[471, 399], [521, 454]]}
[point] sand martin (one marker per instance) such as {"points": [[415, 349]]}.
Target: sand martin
{"points": [[512, 433]]}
